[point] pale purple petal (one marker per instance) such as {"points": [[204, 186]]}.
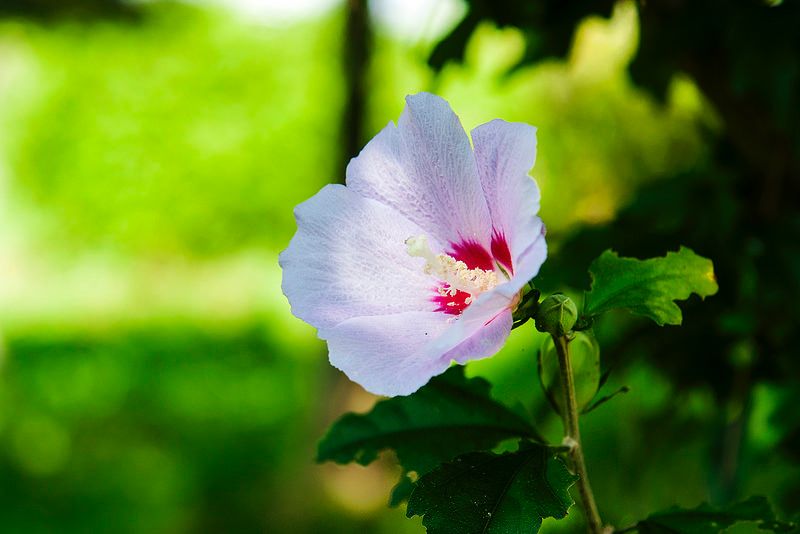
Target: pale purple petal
{"points": [[348, 259], [474, 319], [486, 341], [505, 153], [425, 169], [390, 354], [529, 262], [347, 270], [397, 354], [481, 330]]}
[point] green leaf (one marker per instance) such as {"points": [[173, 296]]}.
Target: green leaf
{"points": [[585, 359], [604, 399], [707, 519], [649, 287], [488, 493], [449, 416], [401, 491]]}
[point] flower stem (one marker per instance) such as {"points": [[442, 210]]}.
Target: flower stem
{"points": [[573, 436]]}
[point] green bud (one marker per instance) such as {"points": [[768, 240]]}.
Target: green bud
{"points": [[556, 315], [529, 301]]}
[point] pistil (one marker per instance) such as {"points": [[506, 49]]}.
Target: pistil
{"points": [[455, 273]]}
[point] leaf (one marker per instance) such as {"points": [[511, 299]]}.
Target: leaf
{"points": [[649, 287], [707, 519], [585, 360], [547, 27], [401, 491], [449, 416], [488, 493], [604, 399]]}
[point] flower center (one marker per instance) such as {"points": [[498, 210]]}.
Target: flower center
{"points": [[456, 275]]}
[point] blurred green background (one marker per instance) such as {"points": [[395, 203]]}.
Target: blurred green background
{"points": [[152, 378]]}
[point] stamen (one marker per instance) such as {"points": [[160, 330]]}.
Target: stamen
{"points": [[455, 273]]}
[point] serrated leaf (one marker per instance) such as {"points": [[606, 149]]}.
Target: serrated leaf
{"points": [[447, 417], [707, 519], [488, 493], [648, 287]]}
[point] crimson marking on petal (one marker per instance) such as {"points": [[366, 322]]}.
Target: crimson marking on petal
{"points": [[490, 321], [452, 305], [473, 254], [501, 252]]}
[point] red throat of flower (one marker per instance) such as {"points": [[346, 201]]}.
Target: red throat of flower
{"points": [[454, 301]]}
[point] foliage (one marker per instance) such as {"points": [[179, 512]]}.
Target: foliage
{"points": [[558, 20], [707, 519], [648, 287], [51, 9], [449, 416], [139, 430], [493, 494], [738, 205], [186, 117], [481, 491]]}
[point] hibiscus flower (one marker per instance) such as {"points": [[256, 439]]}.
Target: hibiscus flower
{"points": [[420, 259]]}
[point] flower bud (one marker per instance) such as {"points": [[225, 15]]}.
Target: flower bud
{"points": [[556, 315]]}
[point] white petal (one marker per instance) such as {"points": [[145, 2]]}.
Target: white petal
{"points": [[505, 153], [425, 169], [348, 259], [397, 354], [485, 342], [389, 354]]}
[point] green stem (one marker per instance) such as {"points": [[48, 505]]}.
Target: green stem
{"points": [[573, 436]]}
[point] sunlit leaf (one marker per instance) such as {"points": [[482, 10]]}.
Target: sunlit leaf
{"points": [[488, 493], [649, 287]]}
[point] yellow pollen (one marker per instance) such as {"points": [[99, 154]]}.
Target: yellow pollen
{"points": [[455, 273]]}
